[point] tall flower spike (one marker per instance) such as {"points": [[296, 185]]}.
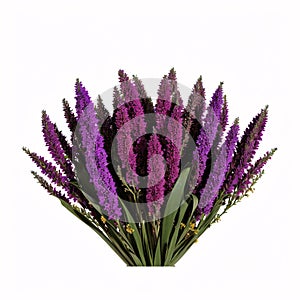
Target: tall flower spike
{"points": [[102, 112], [196, 102], [254, 170], [128, 89], [63, 142], [224, 114], [54, 147], [82, 98], [124, 143], [137, 131], [140, 87], [49, 188], [222, 126], [173, 147], [163, 104], [70, 117], [48, 169], [106, 125], [96, 162], [176, 97], [156, 170], [204, 143], [136, 114], [231, 140], [214, 182], [246, 149], [193, 114], [217, 101], [117, 99]]}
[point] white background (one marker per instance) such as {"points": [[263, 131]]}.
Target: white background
{"points": [[253, 46]]}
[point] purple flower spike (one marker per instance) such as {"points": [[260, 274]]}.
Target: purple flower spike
{"points": [[224, 115], [253, 171], [231, 140], [96, 162], [173, 147], [82, 98], [156, 170], [48, 169], [214, 182], [54, 147], [176, 98], [126, 156], [70, 117], [246, 149], [194, 112], [49, 188], [117, 99], [196, 104], [128, 89], [163, 104], [140, 87], [205, 141], [217, 101]]}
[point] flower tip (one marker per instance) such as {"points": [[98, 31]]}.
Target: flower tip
{"points": [[172, 74], [26, 150], [236, 121], [122, 76], [77, 83]]}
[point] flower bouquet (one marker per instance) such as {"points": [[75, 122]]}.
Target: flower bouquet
{"points": [[150, 178]]}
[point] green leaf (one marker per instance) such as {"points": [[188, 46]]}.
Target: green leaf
{"points": [[189, 219], [129, 245], [173, 204], [135, 234], [184, 246], [181, 215], [157, 257], [146, 245]]}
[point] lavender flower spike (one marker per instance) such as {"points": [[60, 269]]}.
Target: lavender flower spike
{"points": [[53, 143], [156, 168], [217, 101], [253, 171], [173, 146], [218, 172], [214, 182], [140, 87], [82, 98], [246, 149], [124, 142], [196, 103], [163, 104], [69, 116], [96, 162], [48, 169], [49, 188], [204, 142], [224, 114], [128, 89], [231, 140]]}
